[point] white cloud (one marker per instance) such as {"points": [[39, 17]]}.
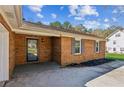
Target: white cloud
{"points": [[46, 23], [95, 24], [88, 10], [69, 15], [82, 11], [106, 25], [40, 15], [73, 9], [54, 15], [78, 18], [106, 20], [36, 8], [121, 9], [114, 11], [91, 24], [118, 9], [62, 7], [114, 19]]}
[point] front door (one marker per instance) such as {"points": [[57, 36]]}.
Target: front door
{"points": [[32, 50]]}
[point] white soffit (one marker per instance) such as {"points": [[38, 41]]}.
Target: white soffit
{"points": [[18, 31], [8, 12]]}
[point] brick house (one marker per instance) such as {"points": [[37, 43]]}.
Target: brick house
{"points": [[24, 42]]}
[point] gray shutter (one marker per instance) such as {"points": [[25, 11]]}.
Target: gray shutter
{"points": [[82, 46], [94, 46], [72, 45], [100, 46]]}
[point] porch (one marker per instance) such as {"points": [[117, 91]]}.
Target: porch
{"points": [[51, 75], [36, 49]]}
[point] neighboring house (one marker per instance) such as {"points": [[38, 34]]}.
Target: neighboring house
{"points": [[115, 42], [24, 42]]}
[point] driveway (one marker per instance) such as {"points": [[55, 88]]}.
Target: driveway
{"points": [[52, 75]]}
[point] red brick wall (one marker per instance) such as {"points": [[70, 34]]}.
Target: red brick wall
{"points": [[44, 46], [11, 52], [89, 49], [45, 51], [88, 53], [56, 49], [102, 51], [11, 45]]}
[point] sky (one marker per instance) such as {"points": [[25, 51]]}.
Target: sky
{"points": [[92, 17]]}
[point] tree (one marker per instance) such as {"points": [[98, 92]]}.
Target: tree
{"points": [[89, 30], [114, 28], [23, 19], [40, 23], [56, 24], [80, 27], [83, 28], [67, 25], [111, 29], [98, 32], [106, 32]]}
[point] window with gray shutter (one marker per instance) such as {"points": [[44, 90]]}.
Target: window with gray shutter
{"points": [[97, 46]]}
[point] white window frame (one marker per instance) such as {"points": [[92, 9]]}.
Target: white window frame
{"points": [[114, 49], [80, 46], [118, 35], [114, 42], [97, 46], [121, 49]]}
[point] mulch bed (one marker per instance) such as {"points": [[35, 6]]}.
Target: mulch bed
{"points": [[91, 63]]}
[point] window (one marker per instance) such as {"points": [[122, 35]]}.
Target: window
{"points": [[109, 48], [114, 42], [114, 49], [117, 35], [107, 40], [121, 49], [97, 46], [77, 46]]}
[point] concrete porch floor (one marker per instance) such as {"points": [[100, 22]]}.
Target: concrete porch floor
{"points": [[51, 75]]}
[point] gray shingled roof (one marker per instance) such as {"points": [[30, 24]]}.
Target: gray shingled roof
{"points": [[60, 29]]}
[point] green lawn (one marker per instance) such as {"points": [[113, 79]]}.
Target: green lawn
{"points": [[115, 56]]}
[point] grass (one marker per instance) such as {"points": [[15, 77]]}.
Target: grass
{"points": [[115, 56], [31, 50]]}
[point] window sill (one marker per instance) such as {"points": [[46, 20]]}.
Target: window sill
{"points": [[77, 54], [97, 52]]}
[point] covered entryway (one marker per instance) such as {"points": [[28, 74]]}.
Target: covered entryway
{"points": [[4, 54]]}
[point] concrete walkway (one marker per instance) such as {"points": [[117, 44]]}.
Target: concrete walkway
{"points": [[51, 75], [114, 78]]}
